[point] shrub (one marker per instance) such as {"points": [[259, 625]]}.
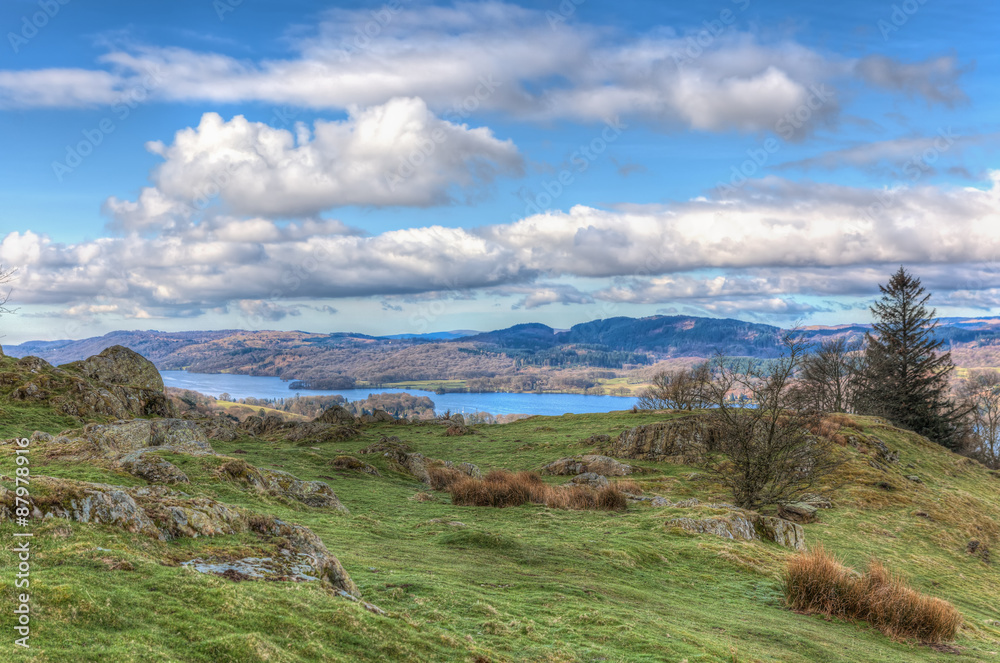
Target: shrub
{"points": [[440, 477], [501, 489], [816, 582]]}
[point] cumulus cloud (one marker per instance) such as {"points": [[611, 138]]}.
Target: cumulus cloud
{"points": [[501, 57], [770, 240], [398, 153]]}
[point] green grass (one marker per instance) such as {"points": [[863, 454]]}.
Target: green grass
{"points": [[516, 584]]}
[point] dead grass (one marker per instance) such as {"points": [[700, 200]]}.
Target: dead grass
{"points": [[441, 477], [629, 486], [501, 489], [816, 582]]}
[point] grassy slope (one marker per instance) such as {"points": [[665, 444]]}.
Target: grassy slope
{"points": [[515, 584]]}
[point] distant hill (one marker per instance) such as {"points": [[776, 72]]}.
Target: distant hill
{"points": [[615, 344]]}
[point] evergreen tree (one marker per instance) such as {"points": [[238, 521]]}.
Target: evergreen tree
{"points": [[906, 375]]}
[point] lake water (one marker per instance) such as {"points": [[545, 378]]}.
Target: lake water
{"points": [[245, 386]]}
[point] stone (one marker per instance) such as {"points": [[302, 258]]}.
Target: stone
{"points": [[151, 467], [119, 365], [281, 484], [381, 416], [746, 526], [167, 515], [914, 478], [799, 512], [591, 479], [660, 501], [683, 440], [121, 437], [565, 467], [336, 414], [458, 419], [589, 463], [818, 501], [415, 463], [606, 466]]}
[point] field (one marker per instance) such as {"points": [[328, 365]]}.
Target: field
{"points": [[516, 584]]}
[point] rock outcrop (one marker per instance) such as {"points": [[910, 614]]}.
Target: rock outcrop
{"points": [[116, 384], [746, 526], [411, 462], [281, 484], [605, 465], [122, 437], [151, 467], [682, 440], [121, 366], [166, 515], [591, 479], [337, 415]]}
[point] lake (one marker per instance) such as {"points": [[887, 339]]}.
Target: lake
{"points": [[245, 386]]}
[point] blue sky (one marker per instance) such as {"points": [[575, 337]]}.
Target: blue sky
{"points": [[409, 166]]}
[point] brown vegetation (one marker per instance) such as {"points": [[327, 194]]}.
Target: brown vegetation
{"points": [[500, 488], [816, 582]]}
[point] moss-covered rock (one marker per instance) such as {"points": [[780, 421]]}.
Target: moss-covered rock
{"points": [[281, 484], [746, 526], [166, 515], [678, 440]]}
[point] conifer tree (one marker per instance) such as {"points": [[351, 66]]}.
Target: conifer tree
{"points": [[906, 374]]}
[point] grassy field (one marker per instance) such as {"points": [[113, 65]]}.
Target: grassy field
{"points": [[517, 584]]}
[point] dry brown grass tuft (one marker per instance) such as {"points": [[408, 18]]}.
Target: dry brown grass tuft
{"points": [[629, 486], [817, 582], [500, 488], [830, 425], [440, 477]]}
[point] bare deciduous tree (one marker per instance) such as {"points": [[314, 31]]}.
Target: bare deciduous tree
{"points": [[828, 378], [763, 453], [980, 393], [680, 389], [6, 276]]}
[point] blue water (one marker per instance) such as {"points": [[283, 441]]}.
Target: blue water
{"points": [[245, 386]]}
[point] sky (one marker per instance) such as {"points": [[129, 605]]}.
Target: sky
{"points": [[405, 166]]}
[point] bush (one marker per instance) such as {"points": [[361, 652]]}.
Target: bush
{"points": [[440, 477], [501, 489], [816, 582]]}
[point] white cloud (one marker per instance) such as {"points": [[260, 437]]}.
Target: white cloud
{"points": [[395, 154], [258, 309], [500, 57], [770, 240]]}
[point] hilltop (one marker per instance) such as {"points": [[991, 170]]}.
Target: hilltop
{"points": [[432, 581]]}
